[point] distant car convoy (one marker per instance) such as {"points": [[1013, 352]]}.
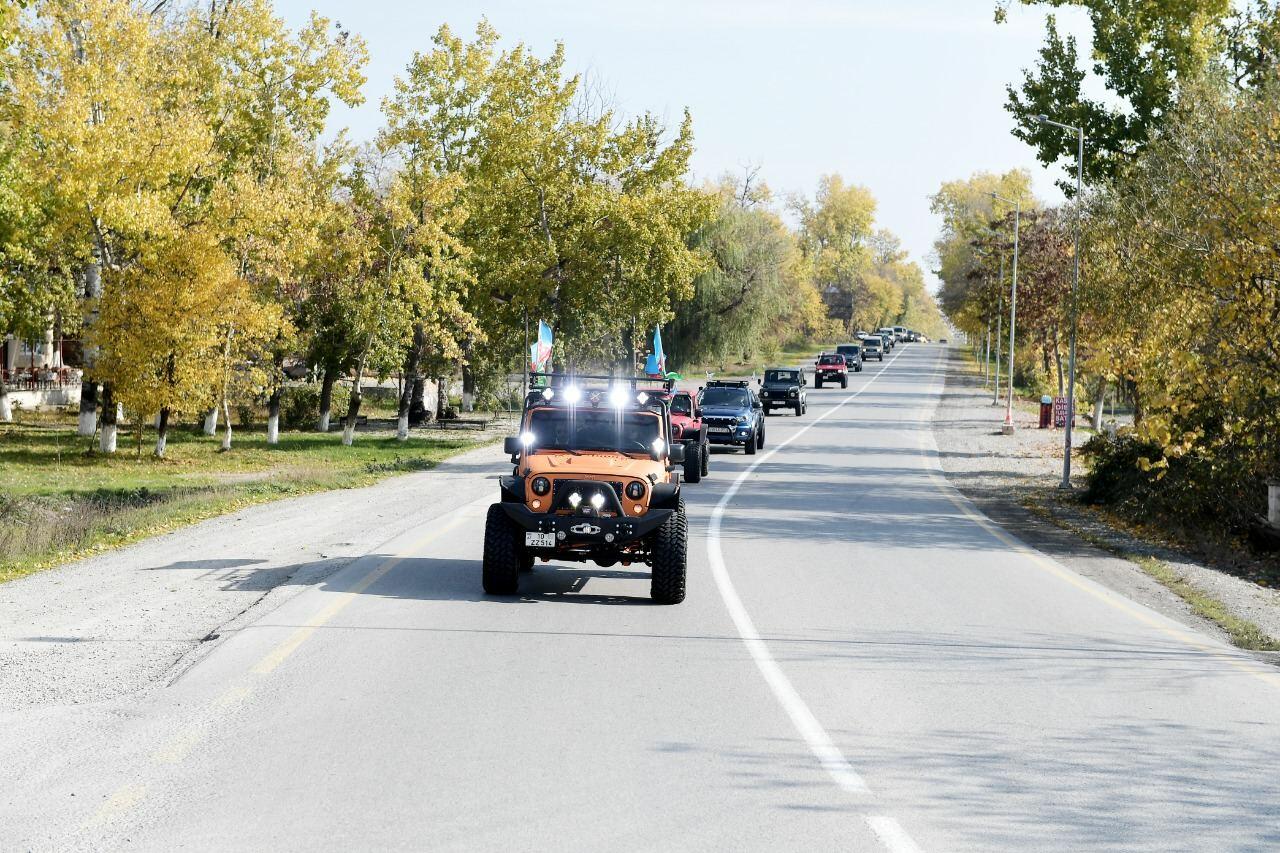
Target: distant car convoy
{"points": [[600, 463]]}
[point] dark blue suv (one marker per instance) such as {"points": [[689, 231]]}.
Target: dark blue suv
{"points": [[732, 415]]}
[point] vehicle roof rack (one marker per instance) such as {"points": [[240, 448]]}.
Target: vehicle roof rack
{"points": [[729, 383], [636, 383]]}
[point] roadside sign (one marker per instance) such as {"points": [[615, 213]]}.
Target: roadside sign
{"points": [[1059, 412]]}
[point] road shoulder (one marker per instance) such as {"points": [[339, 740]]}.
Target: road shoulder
{"points": [[134, 618], [1013, 480]]}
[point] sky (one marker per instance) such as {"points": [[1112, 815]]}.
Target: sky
{"points": [[896, 95]]}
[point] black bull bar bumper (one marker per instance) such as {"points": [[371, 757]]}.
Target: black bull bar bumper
{"points": [[586, 531]]}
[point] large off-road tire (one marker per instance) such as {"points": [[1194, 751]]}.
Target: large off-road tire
{"points": [[706, 457], [693, 462], [670, 545], [799, 409], [503, 556]]}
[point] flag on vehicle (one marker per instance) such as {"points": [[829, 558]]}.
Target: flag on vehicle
{"points": [[540, 350], [656, 363]]}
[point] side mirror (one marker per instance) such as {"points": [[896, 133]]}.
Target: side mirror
{"points": [[675, 454], [756, 404], [511, 445]]}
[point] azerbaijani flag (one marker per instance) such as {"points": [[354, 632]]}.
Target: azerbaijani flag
{"points": [[656, 363], [540, 350]]}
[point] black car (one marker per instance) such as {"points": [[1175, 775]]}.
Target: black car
{"points": [[783, 388], [732, 415], [853, 356]]}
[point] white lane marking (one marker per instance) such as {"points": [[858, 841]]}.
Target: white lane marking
{"points": [[891, 834], [823, 748]]}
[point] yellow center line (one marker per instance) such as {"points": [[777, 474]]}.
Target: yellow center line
{"points": [[280, 653]]}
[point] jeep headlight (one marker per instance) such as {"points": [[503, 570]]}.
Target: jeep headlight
{"points": [[541, 485], [635, 490], [793, 392]]}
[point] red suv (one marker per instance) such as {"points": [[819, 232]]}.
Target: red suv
{"points": [[831, 367], [688, 429]]}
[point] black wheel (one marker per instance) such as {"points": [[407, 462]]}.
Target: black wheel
{"points": [[750, 446], [844, 381], [670, 545], [817, 383], [760, 438], [881, 356], [503, 557], [693, 462], [799, 410], [767, 410], [705, 455], [526, 559]]}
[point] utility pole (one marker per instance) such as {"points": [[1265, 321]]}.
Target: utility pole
{"points": [[1007, 427], [1075, 285]]}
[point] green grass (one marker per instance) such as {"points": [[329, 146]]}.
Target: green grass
{"points": [[1242, 632], [61, 499]]}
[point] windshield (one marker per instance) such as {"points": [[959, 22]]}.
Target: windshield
{"points": [[850, 349], [681, 404], [782, 377], [873, 343], [831, 359], [593, 429], [725, 397]]}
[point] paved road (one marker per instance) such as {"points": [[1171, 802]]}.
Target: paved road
{"points": [[863, 663]]}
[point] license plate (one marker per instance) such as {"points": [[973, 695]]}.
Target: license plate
{"points": [[721, 430], [539, 540]]}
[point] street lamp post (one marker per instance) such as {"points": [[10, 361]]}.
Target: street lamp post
{"points": [[1000, 325], [1007, 427], [1075, 284]]}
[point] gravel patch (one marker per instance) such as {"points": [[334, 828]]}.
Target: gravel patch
{"points": [[1002, 474]]}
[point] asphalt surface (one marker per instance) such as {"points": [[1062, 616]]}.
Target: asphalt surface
{"points": [[864, 662]]}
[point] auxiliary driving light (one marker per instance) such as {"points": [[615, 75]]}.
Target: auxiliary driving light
{"points": [[619, 397], [597, 501], [575, 500], [572, 394], [547, 393], [527, 439], [643, 398], [659, 448]]}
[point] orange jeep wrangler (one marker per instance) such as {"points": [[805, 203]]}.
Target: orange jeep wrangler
{"points": [[596, 479]]}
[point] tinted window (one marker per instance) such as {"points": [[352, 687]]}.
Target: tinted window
{"points": [[593, 429], [847, 350], [831, 359], [781, 376], [725, 397], [682, 404]]}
